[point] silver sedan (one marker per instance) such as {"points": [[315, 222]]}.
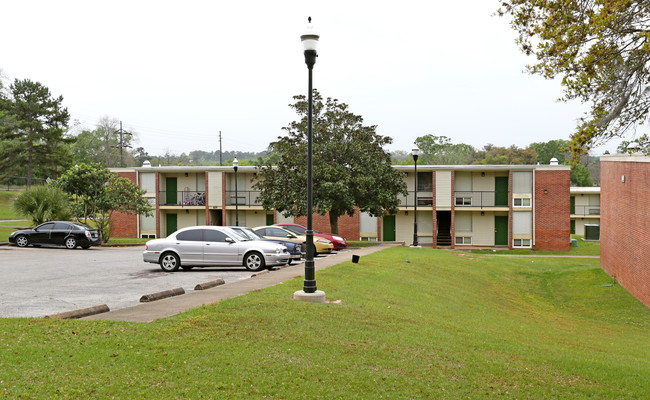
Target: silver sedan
{"points": [[213, 246]]}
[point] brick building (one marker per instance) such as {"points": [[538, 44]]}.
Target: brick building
{"points": [[625, 216], [514, 206]]}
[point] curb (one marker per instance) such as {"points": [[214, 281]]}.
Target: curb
{"points": [[80, 313]]}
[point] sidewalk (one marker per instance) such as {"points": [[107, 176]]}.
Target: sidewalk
{"points": [[148, 312]]}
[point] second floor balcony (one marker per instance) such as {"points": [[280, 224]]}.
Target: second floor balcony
{"points": [[585, 210], [481, 199], [425, 199], [183, 198], [243, 198]]}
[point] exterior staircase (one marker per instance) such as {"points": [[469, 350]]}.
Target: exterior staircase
{"points": [[443, 239]]}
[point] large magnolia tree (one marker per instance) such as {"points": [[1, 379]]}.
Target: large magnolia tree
{"points": [[351, 167], [600, 49]]}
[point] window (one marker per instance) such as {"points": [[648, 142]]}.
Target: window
{"points": [[463, 201], [193, 235], [521, 243], [463, 240], [46, 227], [212, 235], [521, 202], [61, 226]]}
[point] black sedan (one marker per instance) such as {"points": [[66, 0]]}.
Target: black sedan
{"points": [[62, 233]]}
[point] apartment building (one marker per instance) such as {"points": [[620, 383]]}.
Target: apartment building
{"points": [[625, 215], [585, 208], [510, 206]]}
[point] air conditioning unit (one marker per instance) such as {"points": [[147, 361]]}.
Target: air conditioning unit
{"points": [[592, 232]]}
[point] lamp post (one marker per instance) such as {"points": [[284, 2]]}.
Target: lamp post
{"points": [[310, 293], [415, 153], [235, 166]]}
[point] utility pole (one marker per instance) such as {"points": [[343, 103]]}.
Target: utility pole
{"points": [[121, 145], [220, 152]]}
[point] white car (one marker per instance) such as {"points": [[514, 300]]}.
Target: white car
{"points": [[198, 246]]}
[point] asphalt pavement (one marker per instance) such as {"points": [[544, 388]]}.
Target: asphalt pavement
{"points": [[166, 307]]}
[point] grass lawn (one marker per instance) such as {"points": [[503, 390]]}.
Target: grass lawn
{"points": [[583, 249], [411, 323], [6, 204]]}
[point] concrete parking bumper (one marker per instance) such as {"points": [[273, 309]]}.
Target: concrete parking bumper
{"points": [[148, 312]]}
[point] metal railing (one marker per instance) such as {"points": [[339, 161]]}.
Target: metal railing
{"points": [[182, 198], [243, 198], [477, 199], [586, 210], [425, 199]]}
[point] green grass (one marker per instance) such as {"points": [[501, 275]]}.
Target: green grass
{"points": [[583, 249], [6, 201], [411, 323]]}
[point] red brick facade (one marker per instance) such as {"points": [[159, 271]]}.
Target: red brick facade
{"points": [[625, 222], [122, 224], [349, 227], [552, 210]]}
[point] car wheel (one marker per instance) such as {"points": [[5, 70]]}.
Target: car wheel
{"points": [[22, 241], [71, 243], [169, 262], [187, 267], [254, 261]]}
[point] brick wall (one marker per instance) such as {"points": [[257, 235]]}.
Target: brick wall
{"points": [[122, 224], [552, 210], [625, 223], [349, 227]]}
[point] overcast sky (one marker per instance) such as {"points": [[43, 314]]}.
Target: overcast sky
{"points": [[177, 73]]}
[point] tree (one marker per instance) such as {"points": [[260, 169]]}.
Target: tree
{"points": [[580, 176], [43, 203], [601, 49], [641, 144], [351, 168], [552, 149], [98, 193], [32, 131], [439, 150], [505, 155]]}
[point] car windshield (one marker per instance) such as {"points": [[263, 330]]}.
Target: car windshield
{"points": [[294, 229], [82, 226], [239, 235], [250, 233]]}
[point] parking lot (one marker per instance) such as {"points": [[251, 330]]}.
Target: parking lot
{"points": [[41, 281]]}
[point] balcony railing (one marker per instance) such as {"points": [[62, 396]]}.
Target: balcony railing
{"points": [[425, 199], [243, 198], [586, 210], [477, 199], [182, 198]]}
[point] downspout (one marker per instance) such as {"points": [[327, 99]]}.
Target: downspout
{"points": [[137, 220], [534, 203]]}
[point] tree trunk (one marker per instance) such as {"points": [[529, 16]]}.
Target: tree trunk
{"points": [[334, 223]]}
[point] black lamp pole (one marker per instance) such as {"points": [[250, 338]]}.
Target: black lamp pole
{"points": [[416, 152], [235, 165], [310, 41]]}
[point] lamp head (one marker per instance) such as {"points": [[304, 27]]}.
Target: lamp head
{"points": [[235, 163], [309, 38]]}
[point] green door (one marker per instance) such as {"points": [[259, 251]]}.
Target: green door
{"points": [[269, 219], [500, 230], [389, 228], [573, 226], [170, 196], [501, 191], [573, 205], [172, 223]]}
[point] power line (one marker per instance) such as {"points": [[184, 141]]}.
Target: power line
{"points": [[122, 145]]}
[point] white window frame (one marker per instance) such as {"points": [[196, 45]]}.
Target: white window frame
{"points": [[464, 240], [463, 199], [522, 244], [523, 200]]}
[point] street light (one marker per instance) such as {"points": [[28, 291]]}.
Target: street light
{"points": [[310, 293], [415, 153], [235, 166]]}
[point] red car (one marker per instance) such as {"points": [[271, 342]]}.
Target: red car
{"points": [[338, 241]]}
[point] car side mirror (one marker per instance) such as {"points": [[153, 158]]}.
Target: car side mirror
{"points": [[230, 240]]}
